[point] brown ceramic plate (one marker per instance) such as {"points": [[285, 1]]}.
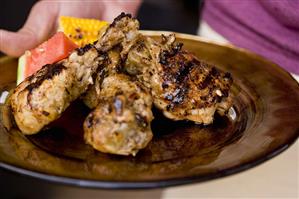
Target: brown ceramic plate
{"points": [[264, 121]]}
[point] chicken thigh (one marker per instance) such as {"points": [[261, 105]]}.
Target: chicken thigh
{"points": [[183, 87]]}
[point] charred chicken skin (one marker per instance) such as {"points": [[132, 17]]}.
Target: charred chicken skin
{"points": [[117, 40], [92, 96], [42, 97], [120, 123], [120, 77], [183, 87]]}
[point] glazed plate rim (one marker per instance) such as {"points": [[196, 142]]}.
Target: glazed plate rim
{"points": [[144, 184]]}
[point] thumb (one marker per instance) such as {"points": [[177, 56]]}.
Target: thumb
{"points": [[15, 44], [39, 26]]}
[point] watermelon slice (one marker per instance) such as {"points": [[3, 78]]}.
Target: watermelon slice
{"points": [[56, 48]]}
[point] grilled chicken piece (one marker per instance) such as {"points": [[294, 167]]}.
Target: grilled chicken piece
{"points": [[120, 124], [122, 36], [41, 98], [92, 96], [183, 87], [120, 121], [123, 32]]}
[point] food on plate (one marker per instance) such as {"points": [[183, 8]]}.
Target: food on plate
{"points": [[55, 49], [182, 86], [92, 96], [81, 31], [124, 30], [120, 123], [42, 97], [72, 33], [120, 77]]}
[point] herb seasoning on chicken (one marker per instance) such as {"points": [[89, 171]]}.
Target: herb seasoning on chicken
{"points": [[42, 97], [183, 87], [121, 122]]}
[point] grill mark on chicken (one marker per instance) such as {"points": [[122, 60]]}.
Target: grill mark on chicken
{"points": [[119, 17], [67, 79], [116, 42], [84, 49], [173, 76], [209, 77], [45, 113], [122, 31], [227, 75], [166, 54], [141, 121], [42, 98], [101, 70], [207, 80], [47, 72], [183, 72], [125, 113], [123, 107], [183, 87], [184, 76]]}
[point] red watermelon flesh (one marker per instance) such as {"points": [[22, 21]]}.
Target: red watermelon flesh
{"points": [[56, 48]]}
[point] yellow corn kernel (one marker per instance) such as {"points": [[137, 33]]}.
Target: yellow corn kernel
{"points": [[79, 30]]}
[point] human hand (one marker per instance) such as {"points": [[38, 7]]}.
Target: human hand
{"points": [[43, 20]]}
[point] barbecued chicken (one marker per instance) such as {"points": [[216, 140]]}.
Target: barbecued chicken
{"points": [[122, 32], [122, 36], [41, 98], [183, 87], [92, 96], [120, 123]]}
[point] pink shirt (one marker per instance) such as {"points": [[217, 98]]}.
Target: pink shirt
{"points": [[269, 28]]}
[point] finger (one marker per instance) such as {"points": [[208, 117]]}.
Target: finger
{"points": [[114, 8], [15, 44], [82, 9], [38, 27]]}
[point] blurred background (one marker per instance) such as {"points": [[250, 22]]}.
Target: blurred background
{"points": [[172, 15]]}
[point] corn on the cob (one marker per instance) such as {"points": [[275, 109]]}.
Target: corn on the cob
{"points": [[79, 30]]}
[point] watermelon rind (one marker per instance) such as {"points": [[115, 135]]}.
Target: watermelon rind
{"points": [[21, 69]]}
